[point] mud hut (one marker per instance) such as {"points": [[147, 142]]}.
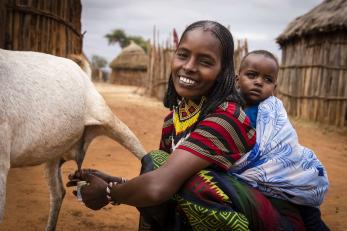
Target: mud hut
{"points": [[48, 26], [313, 74], [130, 66]]}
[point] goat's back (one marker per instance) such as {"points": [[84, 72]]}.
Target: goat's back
{"points": [[43, 99]]}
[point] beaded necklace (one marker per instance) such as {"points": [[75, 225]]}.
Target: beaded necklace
{"points": [[185, 115]]}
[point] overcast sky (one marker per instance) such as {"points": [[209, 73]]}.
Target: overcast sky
{"points": [[260, 21]]}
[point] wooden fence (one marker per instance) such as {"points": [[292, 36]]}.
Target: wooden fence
{"points": [[240, 51], [158, 70], [50, 26]]}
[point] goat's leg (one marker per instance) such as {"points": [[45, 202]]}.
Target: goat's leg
{"points": [[90, 132], [99, 114], [57, 192], [4, 164], [120, 132]]}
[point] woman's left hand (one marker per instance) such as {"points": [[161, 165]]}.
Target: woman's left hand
{"points": [[94, 193]]}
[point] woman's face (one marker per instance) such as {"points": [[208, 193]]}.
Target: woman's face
{"points": [[196, 64]]}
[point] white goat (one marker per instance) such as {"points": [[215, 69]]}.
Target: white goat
{"points": [[49, 112]]}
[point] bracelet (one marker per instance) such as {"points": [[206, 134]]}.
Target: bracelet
{"points": [[108, 193]]}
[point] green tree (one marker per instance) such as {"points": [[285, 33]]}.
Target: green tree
{"points": [[120, 37], [98, 62]]}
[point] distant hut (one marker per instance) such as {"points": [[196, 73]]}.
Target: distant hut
{"points": [[313, 74], [130, 66], [48, 26]]}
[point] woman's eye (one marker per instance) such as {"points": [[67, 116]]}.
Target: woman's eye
{"points": [[206, 62], [181, 55], [251, 75]]}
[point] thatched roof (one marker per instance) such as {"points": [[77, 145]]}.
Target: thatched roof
{"points": [[329, 16], [132, 57]]}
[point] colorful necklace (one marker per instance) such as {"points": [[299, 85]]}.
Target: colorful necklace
{"points": [[186, 114]]}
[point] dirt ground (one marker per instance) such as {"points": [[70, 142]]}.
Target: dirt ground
{"points": [[27, 201]]}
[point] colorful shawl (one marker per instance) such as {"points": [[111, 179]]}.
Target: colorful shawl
{"points": [[278, 165]]}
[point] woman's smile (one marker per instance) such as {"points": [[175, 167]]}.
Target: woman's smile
{"points": [[187, 82]]}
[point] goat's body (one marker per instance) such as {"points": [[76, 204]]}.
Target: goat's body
{"points": [[50, 110]]}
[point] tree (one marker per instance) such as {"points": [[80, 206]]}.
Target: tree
{"points": [[117, 36], [98, 62], [120, 37]]}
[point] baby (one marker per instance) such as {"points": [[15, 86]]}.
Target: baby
{"points": [[277, 165]]}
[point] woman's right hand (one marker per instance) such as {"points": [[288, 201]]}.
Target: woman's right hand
{"points": [[94, 193], [77, 176]]}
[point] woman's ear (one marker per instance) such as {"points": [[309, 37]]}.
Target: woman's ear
{"points": [[237, 78]]}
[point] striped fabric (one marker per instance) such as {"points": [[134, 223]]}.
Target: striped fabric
{"points": [[167, 133], [212, 199], [221, 138]]}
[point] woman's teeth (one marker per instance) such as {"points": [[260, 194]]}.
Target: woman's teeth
{"points": [[187, 81]]}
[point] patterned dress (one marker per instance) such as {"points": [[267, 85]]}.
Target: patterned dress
{"points": [[212, 199]]}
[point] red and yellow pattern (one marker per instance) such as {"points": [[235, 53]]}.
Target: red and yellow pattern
{"points": [[186, 114], [221, 138]]}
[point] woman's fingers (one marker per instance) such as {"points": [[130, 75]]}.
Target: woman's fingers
{"points": [[72, 182], [94, 193], [77, 176], [74, 192], [84, 175]]}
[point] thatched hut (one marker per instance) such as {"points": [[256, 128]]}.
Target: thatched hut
{"points": [[48, 26], [130, 66], [313, 75]]}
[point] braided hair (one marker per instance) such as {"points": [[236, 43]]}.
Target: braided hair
{"points": [[224, 87]]}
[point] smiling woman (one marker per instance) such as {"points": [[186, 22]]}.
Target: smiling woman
{"points": [[185, 185], [196, 64]]}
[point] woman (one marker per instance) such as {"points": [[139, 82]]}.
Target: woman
{"points": [[185, 185]]}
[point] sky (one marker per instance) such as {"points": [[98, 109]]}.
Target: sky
{"points": [[260, 21]]}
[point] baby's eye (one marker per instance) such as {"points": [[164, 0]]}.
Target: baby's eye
{"points": [[268, 80]]}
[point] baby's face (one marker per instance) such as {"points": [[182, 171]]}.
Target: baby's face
{"points": [[257, 78]]}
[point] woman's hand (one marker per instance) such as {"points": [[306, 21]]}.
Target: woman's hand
{"points": [[94, 192], [76, 176], [106, 177]]}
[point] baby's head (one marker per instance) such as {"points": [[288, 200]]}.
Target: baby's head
{"points": [[257, 78]]}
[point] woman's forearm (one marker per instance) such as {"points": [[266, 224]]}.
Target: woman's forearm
{"points": [[143, 191], [159, 185]]}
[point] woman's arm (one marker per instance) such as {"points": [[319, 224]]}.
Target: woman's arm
{"points": [[149, 189], [220, 139], [157, 186]]}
